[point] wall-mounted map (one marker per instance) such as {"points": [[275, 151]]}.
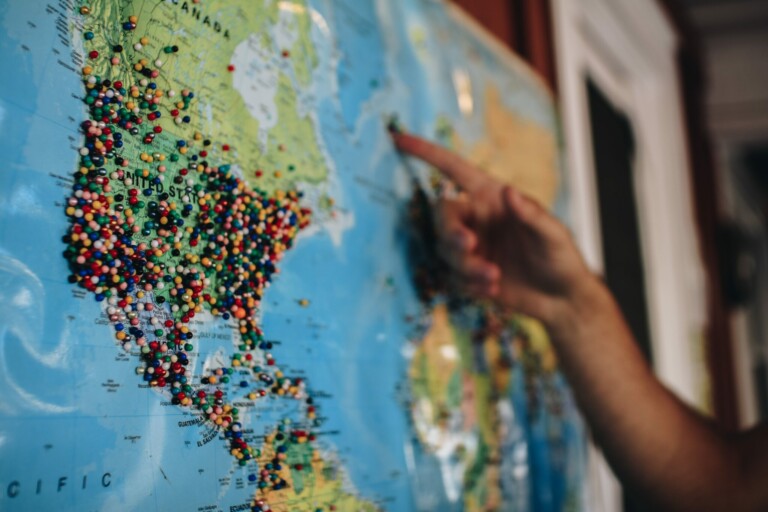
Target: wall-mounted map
{"points": [[212, 288]]}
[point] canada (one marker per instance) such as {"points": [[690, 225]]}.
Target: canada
{"points": [[197, 14]]}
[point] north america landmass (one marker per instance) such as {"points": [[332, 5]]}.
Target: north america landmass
{"points": [[184, 203]]}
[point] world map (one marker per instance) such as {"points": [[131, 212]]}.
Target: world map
{"points": [[219, 291]]}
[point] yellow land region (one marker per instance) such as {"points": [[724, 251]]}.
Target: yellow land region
{"points": [[515, 150]]}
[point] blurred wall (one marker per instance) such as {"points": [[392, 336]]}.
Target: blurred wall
{"points": [[735, 42], [734, 37]]}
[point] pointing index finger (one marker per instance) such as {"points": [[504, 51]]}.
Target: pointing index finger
{"points": [[461, 172]]}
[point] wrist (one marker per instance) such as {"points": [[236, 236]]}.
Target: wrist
{"points": [[587, 297]]}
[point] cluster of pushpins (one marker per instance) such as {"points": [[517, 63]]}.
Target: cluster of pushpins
{"points": [[161, 234]]}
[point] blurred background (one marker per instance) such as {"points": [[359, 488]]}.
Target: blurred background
{"points": [[664, 108]]}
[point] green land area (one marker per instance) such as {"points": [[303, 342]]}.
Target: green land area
{"points": [[219, 122], [292, 152], [312, 483]]}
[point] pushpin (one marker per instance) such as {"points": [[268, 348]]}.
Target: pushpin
{"points": [[393, 125]]}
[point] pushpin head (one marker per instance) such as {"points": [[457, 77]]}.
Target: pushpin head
{"points": [[393, 125]]}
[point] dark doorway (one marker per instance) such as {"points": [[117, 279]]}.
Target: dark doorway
{"points": [[614, 150]]}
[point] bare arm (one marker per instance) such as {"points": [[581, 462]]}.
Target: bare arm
{"points": [[505, 246], [658, 446]]}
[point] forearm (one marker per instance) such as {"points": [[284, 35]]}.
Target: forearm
{"points": [[656, 444]]}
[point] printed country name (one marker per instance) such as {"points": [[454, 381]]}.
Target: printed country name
{"points": [[210, 436], [159, 188], [197, 14], [17, 488], [190, 423]]}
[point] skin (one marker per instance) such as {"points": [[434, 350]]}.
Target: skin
{"points": [[503, 246]]}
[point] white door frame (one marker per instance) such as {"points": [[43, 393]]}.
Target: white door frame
{"points": [[628, 48]]}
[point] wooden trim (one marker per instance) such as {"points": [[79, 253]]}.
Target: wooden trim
{"points": [[536, 38], [495, 15], [707, 210]]}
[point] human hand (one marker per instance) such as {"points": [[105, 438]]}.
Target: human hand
{"points": [[500, 244]]}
